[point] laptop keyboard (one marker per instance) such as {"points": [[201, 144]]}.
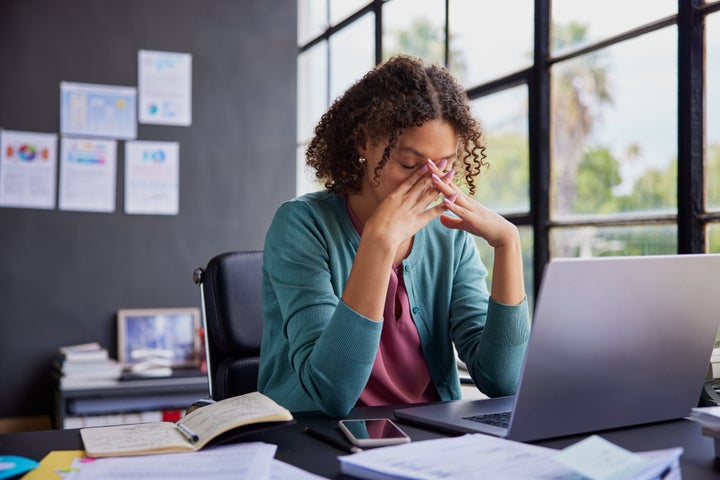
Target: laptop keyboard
{"points": [[499, 419]]}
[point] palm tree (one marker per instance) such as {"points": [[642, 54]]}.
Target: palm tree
{"points": [[579, 90]]}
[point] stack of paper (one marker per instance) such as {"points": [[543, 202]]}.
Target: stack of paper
{"points": [[715, 362], [86, 365], [709, 418], [476, 456]]}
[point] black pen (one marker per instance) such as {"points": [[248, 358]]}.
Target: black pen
{"points": [[329, 439]]}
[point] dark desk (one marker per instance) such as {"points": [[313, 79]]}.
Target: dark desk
{"points": [[295, 447]]}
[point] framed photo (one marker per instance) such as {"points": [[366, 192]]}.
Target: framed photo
{"points": [[164, 336]]}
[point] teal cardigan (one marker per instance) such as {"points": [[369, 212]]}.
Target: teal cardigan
{"points": [[317, 353]]}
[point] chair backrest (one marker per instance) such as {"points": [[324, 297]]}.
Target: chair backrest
{"points": [[231, 293]]}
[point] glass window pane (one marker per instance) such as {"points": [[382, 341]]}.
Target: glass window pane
{"points": [[487, 254], [504, 187], [712, 113], [352, 54], [576, 23], [614, 129], [305, 181], [712, 176], [713, 237], [303, 177], [482, 47], [312, 19], [341, 9], [312, 99], [613, 241], [414, 27]]}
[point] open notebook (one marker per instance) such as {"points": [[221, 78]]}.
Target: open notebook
{"points": [[616, 341]]}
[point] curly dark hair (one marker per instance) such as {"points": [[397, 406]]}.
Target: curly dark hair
{"points": [[401, 93]]}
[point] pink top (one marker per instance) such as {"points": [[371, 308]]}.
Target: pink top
{"points": [[400, 373]]}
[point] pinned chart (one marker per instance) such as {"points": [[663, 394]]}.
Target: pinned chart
{"points": [[27, 169]]}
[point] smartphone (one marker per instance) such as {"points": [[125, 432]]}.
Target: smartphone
{"points": [[373, 432]]}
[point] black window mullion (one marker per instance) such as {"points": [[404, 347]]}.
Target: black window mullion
{"points": [[377, 8], [539, 138], [690, 191], [446, 49]]}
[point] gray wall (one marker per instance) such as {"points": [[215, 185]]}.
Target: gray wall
{"points": [[65, 274]]}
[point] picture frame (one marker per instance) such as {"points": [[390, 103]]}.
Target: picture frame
{"points": [[162, 336]]}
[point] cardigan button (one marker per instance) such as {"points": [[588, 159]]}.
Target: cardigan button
{"points": [[416, 309], [407, 268]]}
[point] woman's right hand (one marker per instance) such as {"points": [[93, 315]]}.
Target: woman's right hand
{"points": [[389, 228], [405, 211]]}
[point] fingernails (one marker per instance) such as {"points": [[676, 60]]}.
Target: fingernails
{"points": [[449, 174], [425, 168], [442, 164], [447, 201], [436, 178]]}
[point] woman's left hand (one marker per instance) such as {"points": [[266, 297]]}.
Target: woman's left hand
{"points": [[472, 216], [508, 282]]}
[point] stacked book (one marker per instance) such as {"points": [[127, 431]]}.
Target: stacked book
{"points": [[715, 361], [86, 365], [709, 419]]}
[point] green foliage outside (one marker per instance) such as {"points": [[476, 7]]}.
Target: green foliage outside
{"points": [[598, 174], [712, 178], [423, 39], [504, 185]]}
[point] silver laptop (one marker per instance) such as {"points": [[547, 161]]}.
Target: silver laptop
{"points": [[616, 341]]}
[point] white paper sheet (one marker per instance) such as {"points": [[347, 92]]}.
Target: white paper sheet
{"points": [[27, 169], [87, 174], [165, 87], [284, 471], [98, 110], [238, 461], [152, 178]]}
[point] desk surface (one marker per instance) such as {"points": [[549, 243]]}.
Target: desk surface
{"points": [[295, 447]]}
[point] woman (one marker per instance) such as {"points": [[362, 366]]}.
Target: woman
{"points": [[368, 284]]}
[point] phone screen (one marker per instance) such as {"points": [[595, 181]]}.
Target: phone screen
{"points": [[373, 429]]}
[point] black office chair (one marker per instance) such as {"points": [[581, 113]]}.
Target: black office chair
{"points": [[230, 291]]}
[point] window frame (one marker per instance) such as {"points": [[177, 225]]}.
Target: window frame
{"points": [[691, 218]]}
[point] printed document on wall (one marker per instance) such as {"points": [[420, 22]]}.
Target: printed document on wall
{"points": [[87, 174], [27, 169], [165, 88], [151, 177], [98, 110]]}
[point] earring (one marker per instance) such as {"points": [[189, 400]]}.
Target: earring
{"points": [[361, 160]]}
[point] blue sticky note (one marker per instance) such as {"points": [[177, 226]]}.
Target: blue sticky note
{"points": [[11, 465], [597, 459]]}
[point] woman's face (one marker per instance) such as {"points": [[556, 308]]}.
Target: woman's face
{"points": [[435, 140]]}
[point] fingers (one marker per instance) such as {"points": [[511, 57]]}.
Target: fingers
{"points": [[450, 204], [443, 182], [419, 187], [418, 179], [423, 188], [452, 222], [454, 198]]}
